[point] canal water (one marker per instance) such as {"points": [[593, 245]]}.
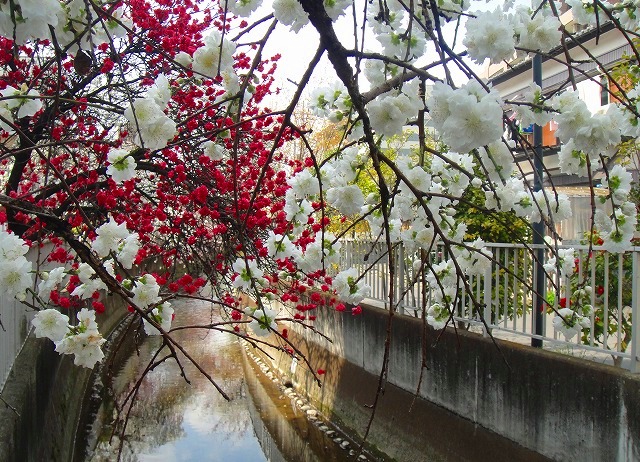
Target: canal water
{"points": [[172, 420]]}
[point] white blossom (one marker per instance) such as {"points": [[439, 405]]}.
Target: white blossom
{"points": [[83, 340], [534, 114], [290, 13], [386, 116], [572, 161], [335, 8], [243, 8], [51, 324], [90, 284], [108, 237], [16, 277], [160, 91], [122, 167], [184, 59], [619, 182], [215, 56], [304, 184], [146, 291], [161, 314], [437, 316], [213, 150], [570, 323], [246, 271], [154, 128], [348, 288], [348, 200], [50, 281], [489, 35], [128, 250], [466, 118], [584, 12], [540, 33], [26, 101], [263, 321], [11, 246]]}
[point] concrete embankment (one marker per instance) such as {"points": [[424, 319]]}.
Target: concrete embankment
{"points": [[458, 396], [47, 393]]}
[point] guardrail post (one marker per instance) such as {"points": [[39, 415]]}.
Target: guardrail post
{"points": [[401, 275], [635, 313], [487, 300]]}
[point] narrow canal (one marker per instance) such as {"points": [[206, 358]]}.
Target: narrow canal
{"points": [[175, 421], [172, 420]]}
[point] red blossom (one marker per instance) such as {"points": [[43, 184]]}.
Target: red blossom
{"points": [[98, 307]]}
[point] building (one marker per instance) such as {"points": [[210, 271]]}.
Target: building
{"points": [[609, 47]]}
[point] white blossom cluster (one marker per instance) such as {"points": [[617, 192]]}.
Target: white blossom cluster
{"points": [[35, 18], [247, 273], [82, 340], [161, 314], [146, 295], [323, 252], [17, 103], [332, 102], [215, 56], [618, 228], [391, 111], [576, 315], [114, 238], [263, 321], [565, 261], [122, 166], [466, 118], [15, 270], [349, 288], [290, 12], [399, 37], [570, 323], [495, 35], [154, 129]]}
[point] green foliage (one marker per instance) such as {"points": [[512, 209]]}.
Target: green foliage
{"points": [[503, 227], [609, 300]]}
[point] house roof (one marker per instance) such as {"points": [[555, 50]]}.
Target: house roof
{"points": [[608, 58]]}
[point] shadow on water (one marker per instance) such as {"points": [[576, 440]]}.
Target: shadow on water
{"points": [[172, 420]]}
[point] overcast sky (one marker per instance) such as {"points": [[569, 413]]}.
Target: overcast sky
{"points": [[298, 49]]}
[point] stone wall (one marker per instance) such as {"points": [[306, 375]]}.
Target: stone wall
{"points": [[48, 393], [545, 405]]}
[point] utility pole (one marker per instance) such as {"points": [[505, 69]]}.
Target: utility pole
{"points": [[538, 228]]}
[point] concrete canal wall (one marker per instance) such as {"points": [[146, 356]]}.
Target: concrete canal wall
{"points": [[48, 394], [547, 406]]}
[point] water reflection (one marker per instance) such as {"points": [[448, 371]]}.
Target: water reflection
{"points": [[175, 421], [283, 429]]}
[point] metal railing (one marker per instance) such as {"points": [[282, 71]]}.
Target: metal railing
{"points": [[504, 295]]}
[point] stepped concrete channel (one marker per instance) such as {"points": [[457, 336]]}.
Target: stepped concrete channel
{"points": [[514, 402], [476, 401]]}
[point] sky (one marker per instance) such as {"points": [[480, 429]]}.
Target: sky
{"points": [[298, 49]]}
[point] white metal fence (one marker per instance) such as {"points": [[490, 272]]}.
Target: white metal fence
{"points": [[506, 296]]}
